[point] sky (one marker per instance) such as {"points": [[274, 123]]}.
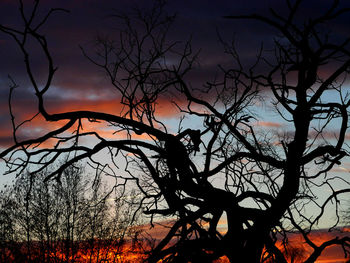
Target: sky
{"points": [[80, 85]]}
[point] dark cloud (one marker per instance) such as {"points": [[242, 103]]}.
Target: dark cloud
{"points": [[78, 81]]}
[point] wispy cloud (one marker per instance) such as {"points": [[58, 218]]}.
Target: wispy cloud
{"points": [[269, 124]]}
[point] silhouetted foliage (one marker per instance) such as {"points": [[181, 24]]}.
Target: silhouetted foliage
{"points": [[66, 221], [223, 166]]}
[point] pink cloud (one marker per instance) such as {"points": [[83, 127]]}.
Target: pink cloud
{"points": [[38, 126], [269, 124]]}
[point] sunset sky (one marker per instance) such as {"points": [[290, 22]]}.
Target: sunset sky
{"points": [[80, 85]]}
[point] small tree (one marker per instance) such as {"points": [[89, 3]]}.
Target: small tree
{"points": [[63, 221], [267, 179], [8, 235]]}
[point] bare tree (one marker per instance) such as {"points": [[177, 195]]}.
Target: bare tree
{"points": [[266, 180], [8, 234], [65, 222]]}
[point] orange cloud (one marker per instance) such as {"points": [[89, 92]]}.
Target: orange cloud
{"points": [[268, 124], [38, 126], [164, 107], [331, 254]]}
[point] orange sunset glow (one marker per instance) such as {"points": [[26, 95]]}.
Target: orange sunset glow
{"points": [[135, 252], [332, 254]]}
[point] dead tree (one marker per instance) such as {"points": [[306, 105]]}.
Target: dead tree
{"points": [[257, 180]]}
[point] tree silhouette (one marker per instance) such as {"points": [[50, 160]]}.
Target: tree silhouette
{"points": [[258, 180], [70, 221]]}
